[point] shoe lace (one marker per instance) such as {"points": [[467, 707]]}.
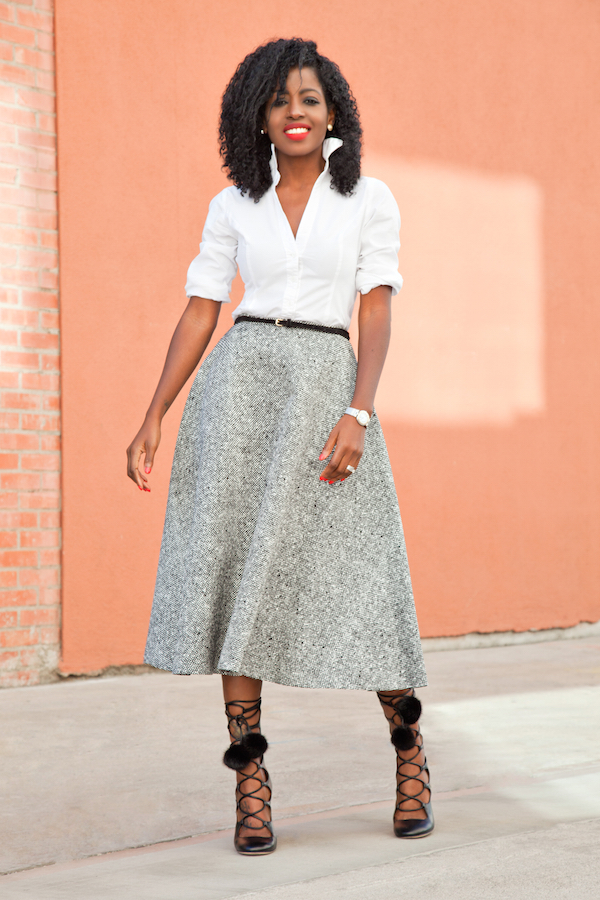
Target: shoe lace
{"points": [[243, 717], [401, 716]]}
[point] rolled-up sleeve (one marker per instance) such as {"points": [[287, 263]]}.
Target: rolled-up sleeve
{"points": [[380, 242], [211, 272]]}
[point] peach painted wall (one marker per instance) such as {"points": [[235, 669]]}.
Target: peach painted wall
{"points": [[483, 118]]}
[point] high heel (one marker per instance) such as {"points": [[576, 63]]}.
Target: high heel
{"points": [[405, 711], [245, 756]]}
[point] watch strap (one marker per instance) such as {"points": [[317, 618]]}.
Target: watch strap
{"points": [[351, 411]]}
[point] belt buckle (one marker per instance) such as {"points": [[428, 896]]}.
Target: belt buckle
{"points": [[279, 323]]}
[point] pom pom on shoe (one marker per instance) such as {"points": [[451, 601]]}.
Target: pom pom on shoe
{"points": [[403, 738], [237, 756], [255, 743], [409, 708], [241, 753]]}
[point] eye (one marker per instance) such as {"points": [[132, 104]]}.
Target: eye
{"points": [[281, 101], [312, 100]]}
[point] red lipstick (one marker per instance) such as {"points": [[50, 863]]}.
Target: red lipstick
{"points": [[296, 132]]}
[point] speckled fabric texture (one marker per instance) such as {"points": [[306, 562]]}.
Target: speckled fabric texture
{"points": [[265, 570]]}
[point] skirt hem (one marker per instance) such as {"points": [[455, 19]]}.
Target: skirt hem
{"points": [[291, 682]]}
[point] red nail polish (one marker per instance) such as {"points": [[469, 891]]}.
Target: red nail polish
{"points": [[147, 470], [331, 482], [140, 487]]}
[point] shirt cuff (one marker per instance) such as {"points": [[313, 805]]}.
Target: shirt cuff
{"points": [[209, 292], [394, 281]]}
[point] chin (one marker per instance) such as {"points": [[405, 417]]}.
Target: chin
{"points": [[300, 148]]}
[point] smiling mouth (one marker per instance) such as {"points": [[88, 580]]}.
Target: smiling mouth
{"points": [[297, 132]]}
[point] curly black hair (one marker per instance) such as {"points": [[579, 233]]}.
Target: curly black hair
{"points": [[246, 152]]}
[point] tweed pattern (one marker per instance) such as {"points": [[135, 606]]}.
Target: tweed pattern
{"points": [[265, 570]]}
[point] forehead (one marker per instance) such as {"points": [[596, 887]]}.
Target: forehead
{"points": [[304, 80]]}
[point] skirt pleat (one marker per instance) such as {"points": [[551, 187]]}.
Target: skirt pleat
{"points": [[265, 570]]}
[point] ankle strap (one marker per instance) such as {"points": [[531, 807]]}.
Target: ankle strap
{"points": [[405, 711], [245, 714], [246, 708], [243, 722], [405, 705]]}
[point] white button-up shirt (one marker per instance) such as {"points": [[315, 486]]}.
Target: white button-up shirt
{"points": [[343, 245]]}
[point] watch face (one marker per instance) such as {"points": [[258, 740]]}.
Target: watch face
{"points": [[363, 418]]}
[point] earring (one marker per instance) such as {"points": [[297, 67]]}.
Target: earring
{"points": [[330, 127], [262, 131]]}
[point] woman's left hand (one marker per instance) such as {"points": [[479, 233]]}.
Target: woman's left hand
{"points": [[348, 439]]}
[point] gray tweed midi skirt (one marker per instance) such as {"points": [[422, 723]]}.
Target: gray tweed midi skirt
{"points": [[265, 570]]}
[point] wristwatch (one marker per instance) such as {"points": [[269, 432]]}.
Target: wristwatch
{"points": [[362, 416]]}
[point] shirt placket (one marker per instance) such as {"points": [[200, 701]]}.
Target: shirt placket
{"points": [[292, 283], [295, 249]]}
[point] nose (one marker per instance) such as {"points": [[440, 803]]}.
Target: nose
{"points": [[295, 111]]}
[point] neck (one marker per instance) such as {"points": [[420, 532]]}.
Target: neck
{"points": [[298, 171]]}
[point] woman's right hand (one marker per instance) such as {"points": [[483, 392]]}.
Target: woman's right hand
{"points": [[189, 341], [145, 442]]}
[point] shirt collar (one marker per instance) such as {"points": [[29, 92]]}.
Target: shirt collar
{"points": [[330, 145]]}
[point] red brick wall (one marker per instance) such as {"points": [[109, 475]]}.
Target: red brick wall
{"points": [[29, 348]]}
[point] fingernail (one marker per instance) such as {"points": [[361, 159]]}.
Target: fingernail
{"points": [[322, 456], [147, 470], [321, 478], [331, 482], [140, 487]]}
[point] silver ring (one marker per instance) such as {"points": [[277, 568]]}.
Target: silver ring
{"points": [[350, 469]]}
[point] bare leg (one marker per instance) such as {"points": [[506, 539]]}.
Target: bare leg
{"points": [[242, 705], [238, 687], [402, 710]]}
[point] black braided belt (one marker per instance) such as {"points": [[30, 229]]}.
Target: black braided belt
{"points": [[290, 323]]}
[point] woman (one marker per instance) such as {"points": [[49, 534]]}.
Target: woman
{"points": [[283, 556]]}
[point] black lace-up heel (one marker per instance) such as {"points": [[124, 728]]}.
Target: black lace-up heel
{"points": [[245, 755], [402, 711]]}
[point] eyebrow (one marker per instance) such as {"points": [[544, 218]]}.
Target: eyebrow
{"points": [[303, 91]]}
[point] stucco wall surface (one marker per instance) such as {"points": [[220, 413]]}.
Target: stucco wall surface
{"points": [[483, 118]]}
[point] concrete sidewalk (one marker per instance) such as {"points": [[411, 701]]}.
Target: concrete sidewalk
{"points": [[104, 766]]}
